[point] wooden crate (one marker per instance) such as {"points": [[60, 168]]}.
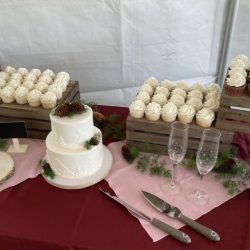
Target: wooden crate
{"points": [[36, 118], [233, 114], [141, 130]]}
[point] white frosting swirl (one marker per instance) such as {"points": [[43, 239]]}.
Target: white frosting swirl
{"points": [[7, 91], [205, 113], [181, 85], [49, 73], [34, 94], [187, 110], [212, 87], [178, 100], [29, 85], [167, 84], [242, 57], [152, 81], [143, 96], [48, 97], [55, 87], [42, 86], [16, 76], [238, 63], [64, 83], [21, 92], [213, 95], [23, 71], [36, 72], [9, 70], [2, 82], [4, 75], [30, 77], [179, 91], [196, 94], [14, 83], [237, 70], [197, 86], [146, 87], [46, 79], [137, 106], [159, 98], [63, 75], [161, 89], [211, 104], [153, 108], [195, 102], [236, 80], [169, 109]]}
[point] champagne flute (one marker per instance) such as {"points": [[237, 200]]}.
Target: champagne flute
{"points": [[206, 157], [177, 147]]}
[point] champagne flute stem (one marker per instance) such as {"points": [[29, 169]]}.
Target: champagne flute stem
{"points": [[173, 175], [198, 193]]}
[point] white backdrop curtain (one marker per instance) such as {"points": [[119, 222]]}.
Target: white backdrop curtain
{"points": [[112, 46]]}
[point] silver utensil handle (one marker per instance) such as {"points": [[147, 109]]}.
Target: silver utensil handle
{"points": [[179, 235], [210, 234]]}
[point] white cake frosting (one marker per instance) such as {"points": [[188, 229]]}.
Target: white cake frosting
{"points": [[66, 152]]}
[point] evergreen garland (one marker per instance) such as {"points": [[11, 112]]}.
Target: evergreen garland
{"points": [[2, 143], [47, 170]]}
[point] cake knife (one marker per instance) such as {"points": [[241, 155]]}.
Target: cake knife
{"points": [[179, 235], [175, 213]]}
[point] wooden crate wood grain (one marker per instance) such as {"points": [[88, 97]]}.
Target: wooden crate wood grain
{"points": [[36, 118], [156, 133], [234, 113]]}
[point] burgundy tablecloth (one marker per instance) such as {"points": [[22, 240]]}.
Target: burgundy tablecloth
{"points": [[36, 215]]}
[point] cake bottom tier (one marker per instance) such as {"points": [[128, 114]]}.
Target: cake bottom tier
{"points": [[73, 163]]}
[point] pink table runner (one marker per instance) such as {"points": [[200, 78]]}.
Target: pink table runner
{"points": [[26, 164], [127, 182]]}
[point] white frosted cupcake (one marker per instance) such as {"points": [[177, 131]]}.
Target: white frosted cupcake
{"points": [[36, 72], [242, 57], [137, 109], [178, 100], [213, 95], [8, 94], [186, 113], [49, 72], [30, 77], [205, 117], [46, 79], [146, 87], [238, 63], [197, 86], [9, 70], [42, 87], [57, 89], [23, 72], [179, 91], [159, 98], [195, 102], [237, 70], [29, 85], [212, 87], [195, 93], [48, 100], [33, 98], [21, 95], [169, 112], [2, 83], [64, 83], [63, 76], [14, 83], [153, 111], [16, 76], [143, 96], [167, 84], [181, 85], [161, 89], [152, 81], [4, 76], [212, 104]]}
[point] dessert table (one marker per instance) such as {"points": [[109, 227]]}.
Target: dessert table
{"points": [[37, 215]]}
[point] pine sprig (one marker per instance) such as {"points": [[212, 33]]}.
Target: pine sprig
{"points": [[2, 143], [47, 170]]}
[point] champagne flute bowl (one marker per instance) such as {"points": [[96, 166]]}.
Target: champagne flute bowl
{"points": [[177, 147], [206, 157]]}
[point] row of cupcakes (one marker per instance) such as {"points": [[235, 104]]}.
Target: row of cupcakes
{"points": [[169, 113], [238, 76]]}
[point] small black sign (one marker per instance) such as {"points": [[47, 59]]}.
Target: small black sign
{"points": [[13, 130]]}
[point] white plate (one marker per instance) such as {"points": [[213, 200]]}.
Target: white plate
{"points": [[84, 182], [6, 167]]}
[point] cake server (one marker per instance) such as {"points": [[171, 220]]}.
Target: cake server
{"points": [[179, 235], [175, 213]]}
